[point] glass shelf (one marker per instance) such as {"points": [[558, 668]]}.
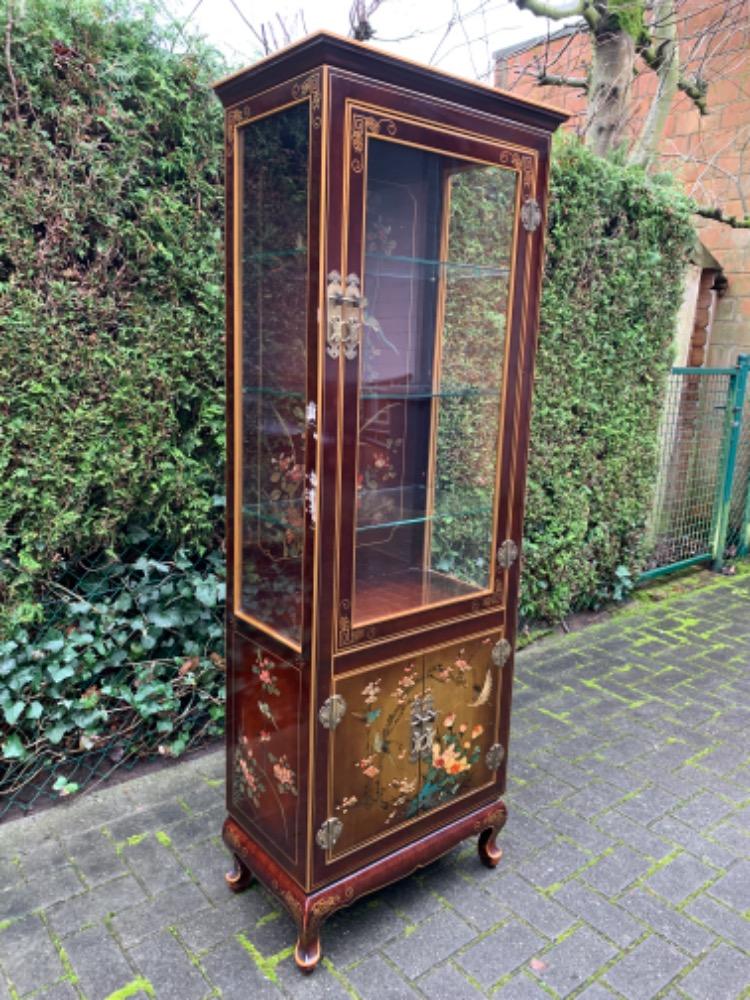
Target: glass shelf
{"points": [[273, 254], [419, 393], [456, 267], [263, 390], [414, 515]]}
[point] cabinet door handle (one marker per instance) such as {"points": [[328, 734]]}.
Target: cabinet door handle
{"points": [[345, 307]]}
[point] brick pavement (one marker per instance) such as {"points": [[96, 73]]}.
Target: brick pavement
{"points": [[626, 870]]}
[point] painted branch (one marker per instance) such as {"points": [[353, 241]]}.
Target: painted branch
{"points": [[555, 12], [718, 216], [553, 80]]}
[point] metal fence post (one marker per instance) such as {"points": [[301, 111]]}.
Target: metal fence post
{"points": [[743, 544], [735, 405]]}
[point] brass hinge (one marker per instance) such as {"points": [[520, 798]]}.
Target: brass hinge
{"points": [[332, 711], [507, 554], [423, 717], [345, 307], [531, 215], [329, 833], [501, 652], [495, 756]]}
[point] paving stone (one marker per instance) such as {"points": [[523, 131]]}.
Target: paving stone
{"points": [[615, 871], [522, 986], [725, 922], [191, 830], [446, 983], [531, 906], [732, 888], [60, 991], [685, 836], [272, 936], [375, 979], [680, 877], [28, 956], [93, 906], [570, 825], [596, 992], [608, 919], [574, 960], [231, 969], [352, 934], [98, 962], [37, 894], [472, 901], [164, 910], [666, 921], [500, 953], [639, 838], [95, 857], [647, 969], [322, 985], [205, 928], [722, 975], [733, 837], [207, 864], [168, 968], [145, 820], [594, 799], [704, 811], [434, 939], [554, 865], [649, 805], [410, 900], [154, 864]]}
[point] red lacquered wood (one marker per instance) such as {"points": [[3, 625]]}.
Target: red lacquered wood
{"points": [[310, 910], [273, 724]]}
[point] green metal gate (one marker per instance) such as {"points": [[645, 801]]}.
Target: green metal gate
{"points": [[701, 509]]}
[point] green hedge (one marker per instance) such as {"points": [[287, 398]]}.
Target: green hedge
{"points": [[111, 396], [110, 292], [617, 246]]}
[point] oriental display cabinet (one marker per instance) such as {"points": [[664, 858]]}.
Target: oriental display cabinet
{"points": [[384, 255]]}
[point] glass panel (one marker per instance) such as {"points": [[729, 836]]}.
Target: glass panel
{"points": [[274, 325], [438, 243]]}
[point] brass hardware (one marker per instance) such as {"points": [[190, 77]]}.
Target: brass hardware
{"points": [[507, 554], [423, 717], [329, 833], [332, 711], [345, 305], [501, 652], [531, 215], [495, 756]]}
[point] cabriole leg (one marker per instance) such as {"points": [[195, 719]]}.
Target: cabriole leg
{"points": [[307, 950], [239, 877], [489, 852]]}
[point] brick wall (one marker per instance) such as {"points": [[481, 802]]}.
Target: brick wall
{"points": [[709, 154]]}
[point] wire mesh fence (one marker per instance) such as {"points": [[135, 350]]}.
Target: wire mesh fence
{"points": [[701, 506], [123, 663]]}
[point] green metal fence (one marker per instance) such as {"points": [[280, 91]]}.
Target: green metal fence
{"points": [[701, 510]]}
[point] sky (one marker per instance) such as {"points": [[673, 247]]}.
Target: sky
{"points": [[484, 27]]}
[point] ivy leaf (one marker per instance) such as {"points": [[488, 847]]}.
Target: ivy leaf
{"points": [[206, 592], [60, 672], [13, 748], [13, 712]]}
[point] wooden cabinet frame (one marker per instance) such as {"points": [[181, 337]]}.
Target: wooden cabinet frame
{"points": [[296, 649]]}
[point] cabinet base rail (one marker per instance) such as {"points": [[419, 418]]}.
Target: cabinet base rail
{"points": [[310, 910]]}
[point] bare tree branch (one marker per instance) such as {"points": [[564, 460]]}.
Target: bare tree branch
{"points": [[553, 80], [664, 34], [555, 12], [654, 56], [718, 216]]}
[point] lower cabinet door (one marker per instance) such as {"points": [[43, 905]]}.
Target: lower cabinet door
{"points": [[375, 779], [463, 685], [416, 734]]}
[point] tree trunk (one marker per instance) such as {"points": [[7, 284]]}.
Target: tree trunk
{"points": [[609, 89]]}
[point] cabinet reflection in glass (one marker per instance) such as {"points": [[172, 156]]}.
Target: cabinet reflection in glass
{"points": [[274, 154], [436, 277]]}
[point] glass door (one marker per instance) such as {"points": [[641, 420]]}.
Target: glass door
{"points": [[431, 274]]}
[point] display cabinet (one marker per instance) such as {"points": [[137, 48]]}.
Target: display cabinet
{"points": [[384, 253]]}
